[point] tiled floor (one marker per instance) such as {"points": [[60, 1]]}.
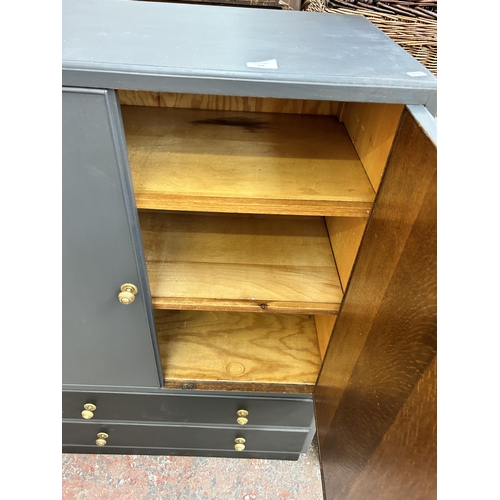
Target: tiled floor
{"points": [[135, 477]]}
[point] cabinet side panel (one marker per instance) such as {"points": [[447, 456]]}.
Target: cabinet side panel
{"points": [[104, 343], [385, 336], [324, 327], [345, 235], [372, 127]]}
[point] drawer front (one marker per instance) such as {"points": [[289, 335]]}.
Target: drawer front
{"points": [[190, 408], [182, 437]]}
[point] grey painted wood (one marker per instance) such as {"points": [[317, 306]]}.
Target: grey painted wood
{"points": [[103, 341], [278, 411], [183, 436], [205, 49], [124, 450], [310, 436]]}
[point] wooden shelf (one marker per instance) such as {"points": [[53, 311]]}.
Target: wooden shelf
{"points": [[232, 262], [223, 161], [214, 350]]}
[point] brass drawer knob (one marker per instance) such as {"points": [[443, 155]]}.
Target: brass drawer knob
{"points": [[242, 414], [239, 446], [88, 410], [101, 439], [127, 294]]}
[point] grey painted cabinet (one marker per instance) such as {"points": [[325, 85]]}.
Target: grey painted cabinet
{"points": [[110, 346], [105, 343], [304, 156]]}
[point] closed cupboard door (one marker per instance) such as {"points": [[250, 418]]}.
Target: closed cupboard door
{"points": [[107, 341], [375, 398]]}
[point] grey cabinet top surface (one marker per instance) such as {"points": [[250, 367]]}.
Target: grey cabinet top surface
{"points": [[236, 51]]}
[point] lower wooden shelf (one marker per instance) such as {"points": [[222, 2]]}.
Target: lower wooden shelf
{"points": [[230, 262], [216, 350]]}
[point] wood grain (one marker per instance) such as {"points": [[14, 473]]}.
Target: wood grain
{"points": [[345, 237], [242, 263], [404, 465], [244, 163], [372, 127], [227, 103], [324, 329], [384, 338], [235, 386], [244, 348], [139, 98]]}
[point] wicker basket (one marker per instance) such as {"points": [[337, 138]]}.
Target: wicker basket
{"points": [[411, 24]]}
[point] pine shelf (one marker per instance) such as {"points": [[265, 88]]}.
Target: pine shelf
{"points": [[241, 162], [230, 262]]}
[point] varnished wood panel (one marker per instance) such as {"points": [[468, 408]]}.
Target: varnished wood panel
{"points": [[245, 348], [405, 463], [227, 103], [241, 263], [244, 163], [385, 335], [372, 127]]}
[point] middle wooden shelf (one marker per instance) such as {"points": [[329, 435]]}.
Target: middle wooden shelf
{"points": [[232, 262]]}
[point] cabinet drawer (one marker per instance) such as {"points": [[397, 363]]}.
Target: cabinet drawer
{"points": [[190, 408], [182, 437]]}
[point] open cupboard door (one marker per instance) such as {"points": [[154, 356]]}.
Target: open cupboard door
{"points": [[375, 399]]}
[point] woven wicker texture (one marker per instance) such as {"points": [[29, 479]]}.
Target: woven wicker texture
{"points": [[411, 24]]}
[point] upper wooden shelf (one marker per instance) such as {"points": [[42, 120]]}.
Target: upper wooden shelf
{"points": [[221, 161], [242, 263]]}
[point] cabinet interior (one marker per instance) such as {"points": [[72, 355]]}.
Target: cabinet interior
{"points": [[252, 211]]}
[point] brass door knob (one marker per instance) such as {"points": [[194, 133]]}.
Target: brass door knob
{"points": [[239, 446], [242, 414], [88, 410], [101, 439], [128, 293]]}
